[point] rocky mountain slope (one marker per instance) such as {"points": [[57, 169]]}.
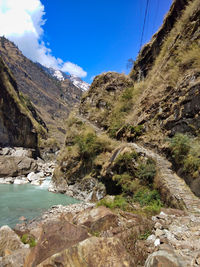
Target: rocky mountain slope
{"points": [[18, 127], [52, 99], [112, 156], [165, 101], [61, 76], [158, 109]]}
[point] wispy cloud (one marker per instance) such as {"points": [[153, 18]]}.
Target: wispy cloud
{"points": [[73, 69], [21, 21]]}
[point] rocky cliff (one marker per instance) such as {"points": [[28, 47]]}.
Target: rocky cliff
{"points": [[52, 99], [166, 100], [169, 98], [17, 126], [150, 51], [161, 108]]}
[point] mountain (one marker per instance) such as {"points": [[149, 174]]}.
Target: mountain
{"points": [[61, 76], [52, 99], [18, 127], [164, 96], [157, 105]]}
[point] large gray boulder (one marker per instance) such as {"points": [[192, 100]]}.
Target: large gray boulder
{"points": [[92, 252], [9, 240], [16, 166]]}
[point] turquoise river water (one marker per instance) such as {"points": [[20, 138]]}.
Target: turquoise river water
{"points": [[28, 201]]}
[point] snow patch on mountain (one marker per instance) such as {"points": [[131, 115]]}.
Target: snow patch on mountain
{"points": [[61, 76], [79, 83], [58, 75]]}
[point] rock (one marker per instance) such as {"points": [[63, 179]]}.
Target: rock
{"points": [[22, 152], [158, 226], [92, 252], [165, 258], [32, 176], [15, 259], [55, 236], [151, 238], [157, 242], [97, 219], [9, 240], [20, 180], [16, 166], [159, 233], [5, 151], [7, 180]]}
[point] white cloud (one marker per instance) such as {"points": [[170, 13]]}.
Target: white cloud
{"points": [[73, 69], [21, 21]]}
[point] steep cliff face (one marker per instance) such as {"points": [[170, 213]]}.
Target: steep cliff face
{"points": [[98, 104], [165, 102], [16, 124], [52, 99], [150, 51], [170, 97]]}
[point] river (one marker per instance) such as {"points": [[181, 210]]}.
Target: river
{"points": [[28, 201]]}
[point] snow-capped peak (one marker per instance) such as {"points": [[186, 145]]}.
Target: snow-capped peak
{"points": [[79, 83], [61, 76], [58, 75]]}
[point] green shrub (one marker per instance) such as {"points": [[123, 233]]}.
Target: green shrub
{"points": [[146, 171], [116, 122], [28, 239], [89, 145], [145, 196], [179, 146], [118, 202], [149, 199], [186, 153], [124, 162]]}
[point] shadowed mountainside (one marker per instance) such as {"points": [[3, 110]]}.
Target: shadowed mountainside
{"points": [[52, 99], [17, 125]]}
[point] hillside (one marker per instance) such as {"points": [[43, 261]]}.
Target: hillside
{"points": [[160, 111], [18, 127], [132, 156], [162, 102], [136, 138], [52, 99]]}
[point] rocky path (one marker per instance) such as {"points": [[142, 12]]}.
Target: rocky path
{"points": [[174, 189], [92, 125]]}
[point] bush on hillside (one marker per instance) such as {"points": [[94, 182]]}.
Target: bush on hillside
{"points": [[185, 151]]}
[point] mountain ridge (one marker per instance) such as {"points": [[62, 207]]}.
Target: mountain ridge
{"points": [[61, 76], [52, 99]]}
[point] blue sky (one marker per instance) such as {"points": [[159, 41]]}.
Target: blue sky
{"points": [[100, 35], [84, 38]]}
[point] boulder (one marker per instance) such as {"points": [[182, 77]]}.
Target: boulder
{"points": [[55, 236], [32, 176], [8, 180], [97, 219], [92, 252], [9, 240], [20, 180], [165, 258], [21, 152], [15, 259], [16, 166]]}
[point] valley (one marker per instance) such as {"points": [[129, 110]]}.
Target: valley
{"points": [[106, 174]]}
